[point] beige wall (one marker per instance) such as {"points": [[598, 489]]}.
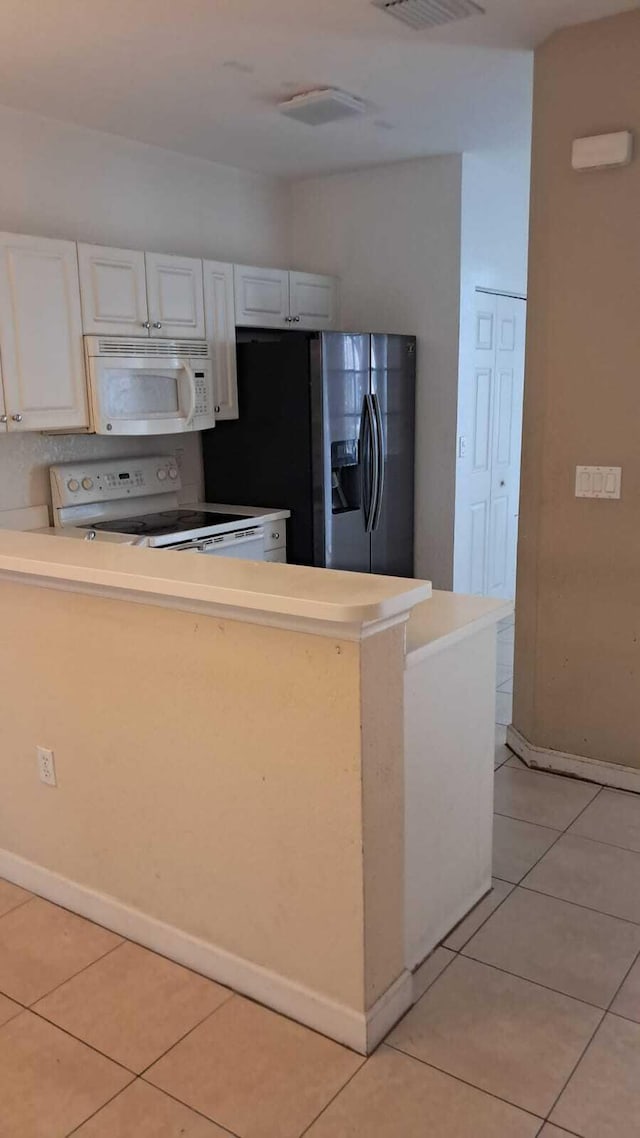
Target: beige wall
{"points": [[577, 685], [213, 775]]}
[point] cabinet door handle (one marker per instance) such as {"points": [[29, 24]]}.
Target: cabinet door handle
{"points": [[146, 324], [296, 319], [17, 418], [157, 324], [3, 418], [217, 410]]}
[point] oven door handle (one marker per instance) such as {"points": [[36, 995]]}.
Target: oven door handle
{"points": [[192, 394]]}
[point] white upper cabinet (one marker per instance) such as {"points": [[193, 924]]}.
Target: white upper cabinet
{"points": [[262, 297], [220, 324], [275, 298], [313, 300], [175, 296], [41, 335], [113, 288]]}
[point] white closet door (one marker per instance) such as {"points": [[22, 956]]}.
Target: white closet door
{"points": [[41, 335], [113, 290], [175, 295], [262, 297], [221, 333], [506, 445], [314, 301]]}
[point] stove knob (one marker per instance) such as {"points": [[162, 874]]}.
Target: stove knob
{"points": [[173, 473], [73, 485], [162, 474], [87, 483]]}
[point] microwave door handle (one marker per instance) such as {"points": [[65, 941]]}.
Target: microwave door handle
{"points": [[192, 394]]}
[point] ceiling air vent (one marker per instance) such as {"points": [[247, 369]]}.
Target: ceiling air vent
{"points": [[419, 14], [327, 104]]}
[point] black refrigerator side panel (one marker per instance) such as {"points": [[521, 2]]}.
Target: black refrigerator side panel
{"points": [[393, 385], [264, 458]]}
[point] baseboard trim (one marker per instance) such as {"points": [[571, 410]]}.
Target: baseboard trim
{"points": [[579, 766], [359, 1031], [386, 1012]]}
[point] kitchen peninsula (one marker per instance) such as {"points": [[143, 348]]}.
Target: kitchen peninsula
{"points": [[260, 767]]}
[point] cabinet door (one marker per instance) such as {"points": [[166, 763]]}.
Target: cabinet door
{"points": [[262, 297], [174, 292], [220, 324], [314, 301], [113, 291], [41, 334]]}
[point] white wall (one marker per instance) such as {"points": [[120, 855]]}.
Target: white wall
{"points": [[392, 235], [494, 255], [64, 181]]}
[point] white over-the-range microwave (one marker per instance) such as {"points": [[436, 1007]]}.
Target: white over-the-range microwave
{"points": [[149, 387]]}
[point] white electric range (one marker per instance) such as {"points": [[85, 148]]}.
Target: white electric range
{"points": [[136, 501]]}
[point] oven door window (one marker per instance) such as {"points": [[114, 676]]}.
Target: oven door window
{"points": [[141, 394]]}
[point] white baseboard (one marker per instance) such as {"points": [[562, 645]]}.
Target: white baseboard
{"points": [[386, 1012], [358, 1030], [592, 770]]}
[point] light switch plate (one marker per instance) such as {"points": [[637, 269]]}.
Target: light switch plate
{"points": [[598, 481]]}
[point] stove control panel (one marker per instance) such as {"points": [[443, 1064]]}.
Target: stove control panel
{"points": [[111, 480]]}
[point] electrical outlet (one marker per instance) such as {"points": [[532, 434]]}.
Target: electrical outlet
{"points": [[46, 766]]}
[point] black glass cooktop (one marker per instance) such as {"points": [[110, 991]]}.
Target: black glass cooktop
{"points": [[167, 522]]}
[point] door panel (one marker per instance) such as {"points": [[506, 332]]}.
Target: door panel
{"points": [[221, 333], [313, 300], [507, 445], [478, 547], [262, 297], [113, 291], [491, 397], [393, 364], [345, 472], [41, 334], [175, 294], [482, 421]]}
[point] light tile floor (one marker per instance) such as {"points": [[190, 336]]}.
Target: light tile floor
{"points": [[528, 1025]]}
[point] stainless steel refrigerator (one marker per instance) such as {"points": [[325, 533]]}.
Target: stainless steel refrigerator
{"points": [[326, 429]]}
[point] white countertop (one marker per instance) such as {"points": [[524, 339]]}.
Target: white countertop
{"points": [[250, 590], [447, 618]]}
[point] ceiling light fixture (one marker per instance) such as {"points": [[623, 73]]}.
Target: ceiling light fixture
{"points": [[419, 14], [323, 105]]}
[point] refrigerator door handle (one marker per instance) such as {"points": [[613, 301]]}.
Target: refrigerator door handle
{"points": [[371, 467], [379, 465]]}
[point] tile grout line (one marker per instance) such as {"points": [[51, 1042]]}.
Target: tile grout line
{"points": [[232, 995], [536, 983], [45, 995], [443, 944], [19, 905], [104, 1105], [338, 1093], [161, 1091], [576, 1065], [466, 1083]]}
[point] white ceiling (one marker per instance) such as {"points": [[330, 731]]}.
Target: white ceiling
{"points": [[202, 76]]}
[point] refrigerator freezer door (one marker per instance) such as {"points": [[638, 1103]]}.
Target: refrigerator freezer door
{"points": [[347, 451], [393, 384]]}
